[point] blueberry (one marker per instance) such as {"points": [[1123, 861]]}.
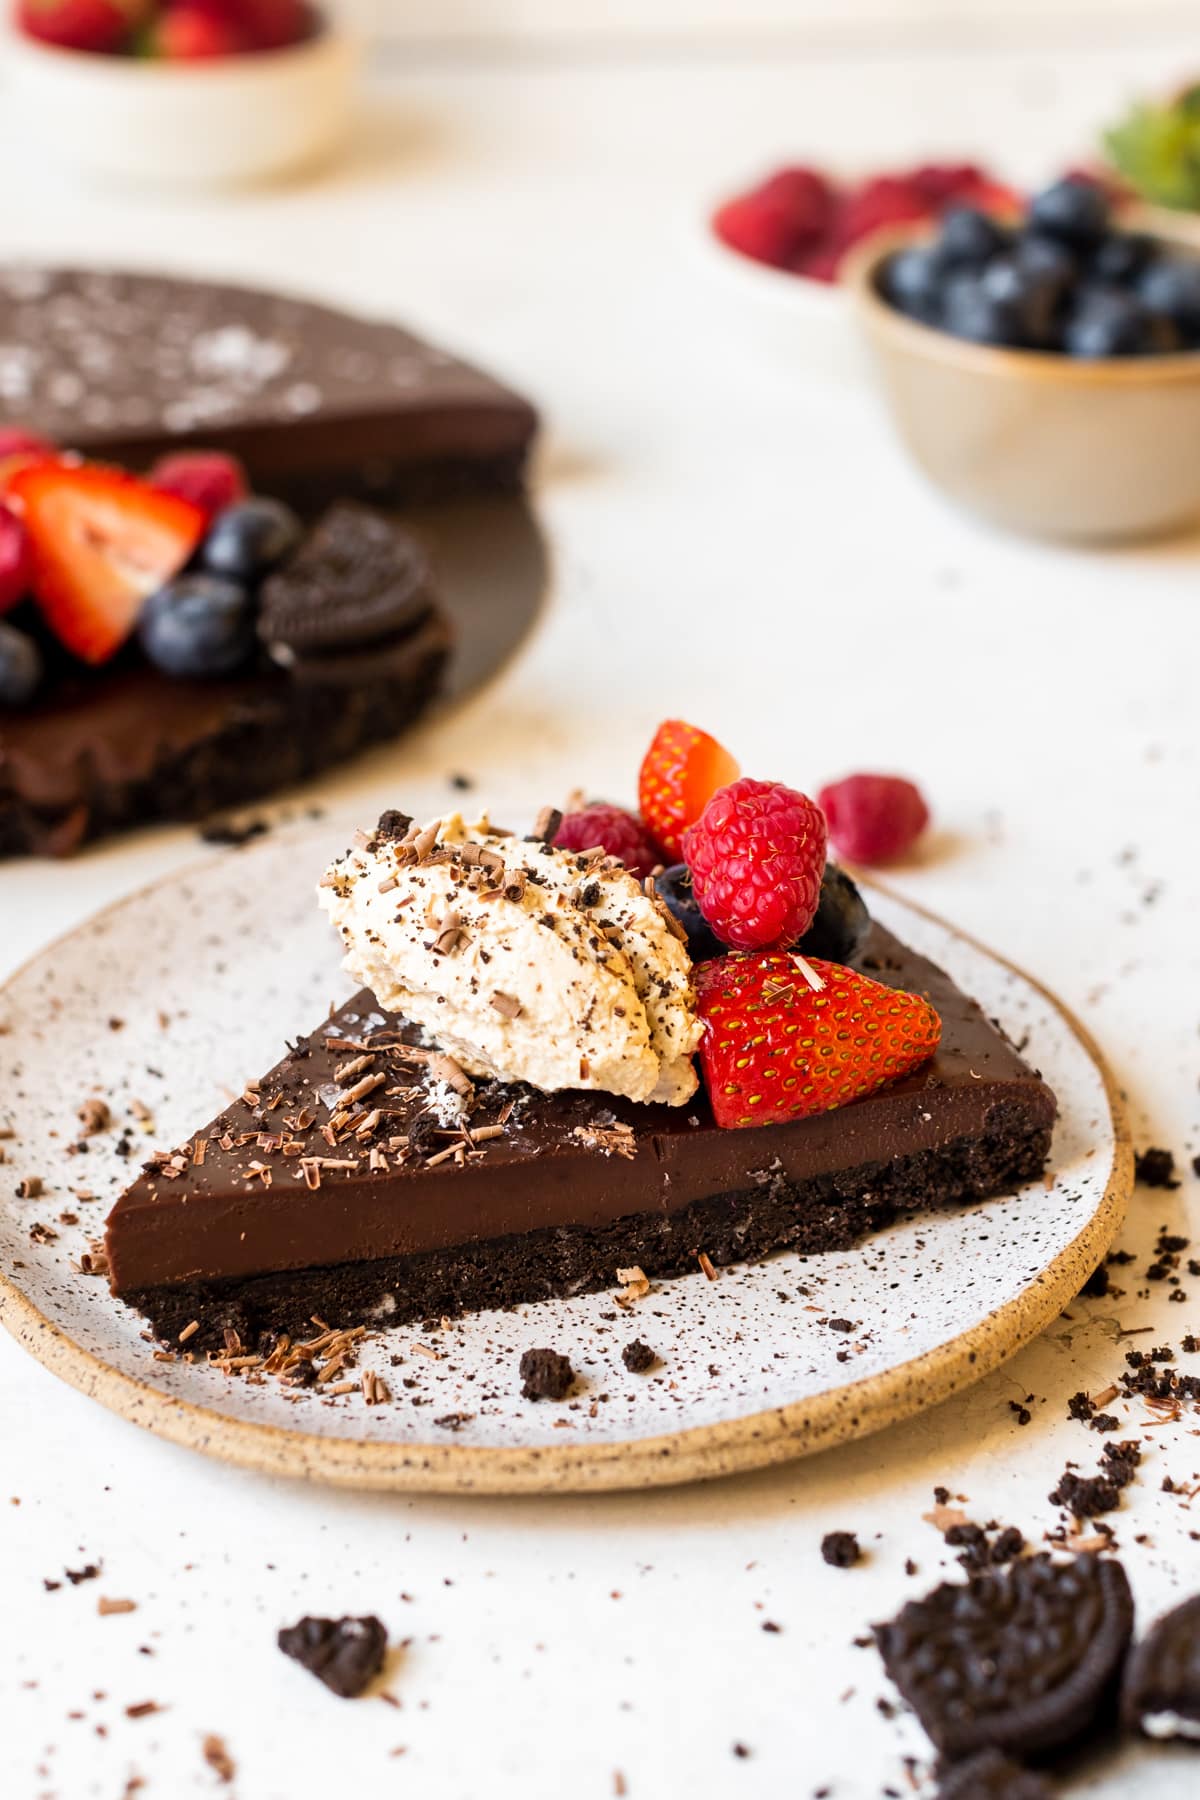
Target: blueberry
{"points": [[970, 311], [1072, 209], [20, 667], [969, 237], [246, 540], [1107, 321], [1121, 257], [841, 923], [674, 886], [912, 282], [1172, 288], [198, 625], [1028, 299], [1047, 260]]}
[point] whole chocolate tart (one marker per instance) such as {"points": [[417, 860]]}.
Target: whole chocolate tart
{"points": [[340, 1185], [318, 404], [320, 407]]}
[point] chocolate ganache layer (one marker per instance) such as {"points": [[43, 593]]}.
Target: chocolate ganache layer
{"points": [[319, 404], [342, 1184]]}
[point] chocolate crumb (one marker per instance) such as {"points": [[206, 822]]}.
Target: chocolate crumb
{"points": [[545, 1375], [1155, 1168], [840, 1549], [232, 833], [638, 1357], [346, 1654]]}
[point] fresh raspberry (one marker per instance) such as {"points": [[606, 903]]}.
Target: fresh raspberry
{"points": [[680, 773], [191, 31], [822, 264], [16, 559], [16, 441], [208, 478], [777, 1047], [98, 25], [274, 24], [883, 200], [757, 853], [873, 818], [615, 831], [940, 183], [780, 218]]}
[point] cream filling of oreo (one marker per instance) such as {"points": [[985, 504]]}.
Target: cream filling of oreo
{"points": [[522, 962], [1164, 1725]]}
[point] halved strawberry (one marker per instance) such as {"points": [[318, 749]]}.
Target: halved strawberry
{"points": [[788, 1036], [101, 543], [680, 773]]}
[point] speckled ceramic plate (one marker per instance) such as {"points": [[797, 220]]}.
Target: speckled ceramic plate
{"points": [[168, 1002]]}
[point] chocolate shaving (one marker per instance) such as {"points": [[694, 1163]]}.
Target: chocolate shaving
{"points": [[507, 1005], [546, 825]]}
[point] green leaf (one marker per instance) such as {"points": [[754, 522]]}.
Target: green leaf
{"points": [[1157, 149]]}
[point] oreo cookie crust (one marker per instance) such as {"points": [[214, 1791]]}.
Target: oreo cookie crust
{"points": [[1160, 1696], [992, 1776], [1022, 1660]]}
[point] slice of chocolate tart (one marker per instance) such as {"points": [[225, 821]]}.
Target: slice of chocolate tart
{"points": [[365, 1178]]}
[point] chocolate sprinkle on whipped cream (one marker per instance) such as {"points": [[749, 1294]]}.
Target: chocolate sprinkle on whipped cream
{"points": [[522, 961]]}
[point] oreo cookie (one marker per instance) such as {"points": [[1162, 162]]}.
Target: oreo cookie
{"points": [[346, 1654], [992, 1776], [1021, 1660], [357, 580], [1160, 1696]]}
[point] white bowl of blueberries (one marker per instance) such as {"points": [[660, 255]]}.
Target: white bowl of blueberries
{"points": [[1044, 372]]}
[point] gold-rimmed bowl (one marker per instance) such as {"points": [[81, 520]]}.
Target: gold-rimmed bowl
{"points": [[1036, 441]]}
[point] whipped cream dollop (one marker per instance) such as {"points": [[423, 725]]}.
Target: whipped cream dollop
{"points": [[522, 962]]}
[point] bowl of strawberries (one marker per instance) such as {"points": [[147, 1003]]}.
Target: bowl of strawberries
{"points": [[778, 245], [182, 92]]}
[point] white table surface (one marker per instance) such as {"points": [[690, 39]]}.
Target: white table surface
{"points": [[739, 540]]}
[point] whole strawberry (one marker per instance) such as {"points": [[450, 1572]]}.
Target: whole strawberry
{"points": [[874, 818], [613, 830], [787, 1037], [680, 772], [757, 853]]}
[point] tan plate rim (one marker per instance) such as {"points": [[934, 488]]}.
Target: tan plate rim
{"points": [[695, 1453]]}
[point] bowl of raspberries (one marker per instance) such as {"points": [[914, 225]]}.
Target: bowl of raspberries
{"points": [[182, 92], [1044, 369], [780, 244]]}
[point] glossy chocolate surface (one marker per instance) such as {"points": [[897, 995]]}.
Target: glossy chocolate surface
{"points": [[125, 366], [567, 1159]]}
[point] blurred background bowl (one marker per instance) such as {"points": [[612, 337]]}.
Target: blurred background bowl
{"points": [[798, 321], [1040, 442], [217, 123]]}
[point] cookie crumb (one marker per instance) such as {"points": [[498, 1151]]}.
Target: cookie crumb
{"points": [[545, 1375], [840, 1549]]}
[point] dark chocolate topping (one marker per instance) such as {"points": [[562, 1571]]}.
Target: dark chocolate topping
{"points": [[539, 1160], [124, 366]]}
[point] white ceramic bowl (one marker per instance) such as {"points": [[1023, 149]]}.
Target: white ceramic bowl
{"points": [[202, 124], [803, 322]]}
